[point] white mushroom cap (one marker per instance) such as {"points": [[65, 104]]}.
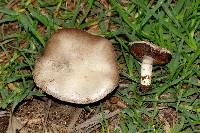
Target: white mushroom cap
{"points": [[77, 67]]}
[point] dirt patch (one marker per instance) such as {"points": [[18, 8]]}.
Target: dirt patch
{"points": [[53, 116], [4, 121]]}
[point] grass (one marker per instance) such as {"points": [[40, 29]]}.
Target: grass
{"points": [[174, 26]]}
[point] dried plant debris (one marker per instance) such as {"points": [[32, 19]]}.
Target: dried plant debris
{"points": [[40, 116]]}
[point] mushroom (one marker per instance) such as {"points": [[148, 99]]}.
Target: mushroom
{"points": [[149, 54], [77, 67]]}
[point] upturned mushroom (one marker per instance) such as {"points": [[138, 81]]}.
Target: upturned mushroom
{"points": [[77, 67], [149, 54]]}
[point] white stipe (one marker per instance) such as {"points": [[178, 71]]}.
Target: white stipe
{"points": [[146, 70]]}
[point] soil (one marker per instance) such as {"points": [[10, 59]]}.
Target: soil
{"points": [[52, 116], [49, 115], [4, 121]]}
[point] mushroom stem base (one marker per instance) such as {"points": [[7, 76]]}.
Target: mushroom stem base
{"points": [[144, 89]]}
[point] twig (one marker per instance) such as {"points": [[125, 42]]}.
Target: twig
{"points": [[159, 108], [92, 128], [97, 119], [123, 85], [4, 113], [72, 123], [46, 114]]}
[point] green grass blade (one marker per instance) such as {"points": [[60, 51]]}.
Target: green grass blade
{"points": [[76, 11], [8, 11], [123, 14], [27, 23], [86, 11], [41, 18]]}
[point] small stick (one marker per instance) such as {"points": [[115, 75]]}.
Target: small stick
{"points": [[97, 119], [124, 85], [159, 108], [46, 114], [72, 123], [4, 113]]}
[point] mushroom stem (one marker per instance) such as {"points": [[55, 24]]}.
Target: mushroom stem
{"points": [[146, 71], [149, 54]]}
